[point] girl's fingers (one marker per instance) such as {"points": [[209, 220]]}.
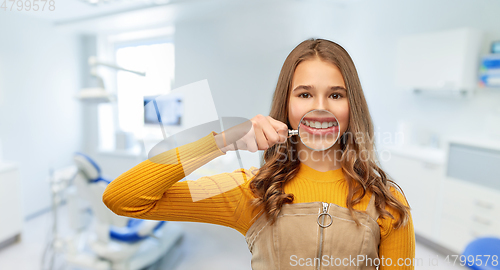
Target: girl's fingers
{"points": [[259, 133], [270, 132], [281, 129], [251, 143]]}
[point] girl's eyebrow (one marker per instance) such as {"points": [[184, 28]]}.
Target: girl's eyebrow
{"points": [[310, 87]]}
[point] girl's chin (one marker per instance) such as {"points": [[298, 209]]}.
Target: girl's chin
{"points": [[302, 147]]}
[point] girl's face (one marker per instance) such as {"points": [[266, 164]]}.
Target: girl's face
{"points": [[318, 84]]}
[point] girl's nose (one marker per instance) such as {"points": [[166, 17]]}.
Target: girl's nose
{"points": [[320, 104]]}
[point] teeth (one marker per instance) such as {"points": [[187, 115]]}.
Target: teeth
{"points": [[317, 124]]}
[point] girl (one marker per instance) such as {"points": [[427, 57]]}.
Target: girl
{"points": [[304, 209]]}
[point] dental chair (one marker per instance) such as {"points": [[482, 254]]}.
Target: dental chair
{"points": [[110, 241]]}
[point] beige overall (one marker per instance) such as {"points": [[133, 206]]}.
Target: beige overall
{"points": [[315, 235]]}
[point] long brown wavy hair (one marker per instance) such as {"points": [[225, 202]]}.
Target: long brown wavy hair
{"points": [[359, 163]]}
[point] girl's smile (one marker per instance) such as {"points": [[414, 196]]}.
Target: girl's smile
{"points": [[319, 126]]}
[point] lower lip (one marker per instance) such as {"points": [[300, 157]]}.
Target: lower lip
{"points": [[320, 131]]}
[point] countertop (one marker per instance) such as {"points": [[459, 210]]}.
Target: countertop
{"points": [[4, 167]]}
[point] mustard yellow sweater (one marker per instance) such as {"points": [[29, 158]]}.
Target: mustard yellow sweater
{"points": [[151, 190]]}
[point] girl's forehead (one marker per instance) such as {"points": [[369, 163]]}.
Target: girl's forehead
{"points": [[317, 72]]}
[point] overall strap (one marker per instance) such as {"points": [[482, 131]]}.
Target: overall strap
{"points": [[371, 209]]}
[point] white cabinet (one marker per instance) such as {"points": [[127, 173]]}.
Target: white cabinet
{"points": [[469, 211], [454, 193], [421, 181], [471, 198], [439, 61], [10, 204]]}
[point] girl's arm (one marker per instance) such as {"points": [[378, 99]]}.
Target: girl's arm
{"points": [[151, 190], [397, 244]]}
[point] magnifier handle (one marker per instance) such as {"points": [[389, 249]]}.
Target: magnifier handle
{"points": [[292, 132]]}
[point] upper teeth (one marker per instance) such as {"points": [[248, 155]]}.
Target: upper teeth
{"points": [[317, 124]]}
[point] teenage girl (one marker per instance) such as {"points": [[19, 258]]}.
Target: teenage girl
{"points": [[303, 209]]}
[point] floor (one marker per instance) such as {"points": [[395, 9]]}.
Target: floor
{"points": [[204, 246]]}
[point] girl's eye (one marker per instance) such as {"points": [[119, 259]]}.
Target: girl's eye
{"points": [[338, 96], [302, 95]]}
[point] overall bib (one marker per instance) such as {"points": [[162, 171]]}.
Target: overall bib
{"points": [[315, 235]]}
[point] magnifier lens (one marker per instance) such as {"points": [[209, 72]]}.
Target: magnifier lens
{"points": [[319, 129]]}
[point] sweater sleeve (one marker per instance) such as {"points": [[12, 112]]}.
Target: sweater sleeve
{"points": [[397, 245], [151, 189]]}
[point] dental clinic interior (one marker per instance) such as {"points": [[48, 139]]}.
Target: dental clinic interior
{"points": [[79, 80]]}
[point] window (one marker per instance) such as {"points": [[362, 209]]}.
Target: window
{"points": [[147, 51], [157, 60]]}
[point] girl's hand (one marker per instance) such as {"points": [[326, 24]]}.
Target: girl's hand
{"points": [[259, 133]]}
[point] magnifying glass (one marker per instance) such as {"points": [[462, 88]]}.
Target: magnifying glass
{"points": [[318, 130]]}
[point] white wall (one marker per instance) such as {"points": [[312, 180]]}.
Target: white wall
{"points": [[373, 31], [40, 121]]}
